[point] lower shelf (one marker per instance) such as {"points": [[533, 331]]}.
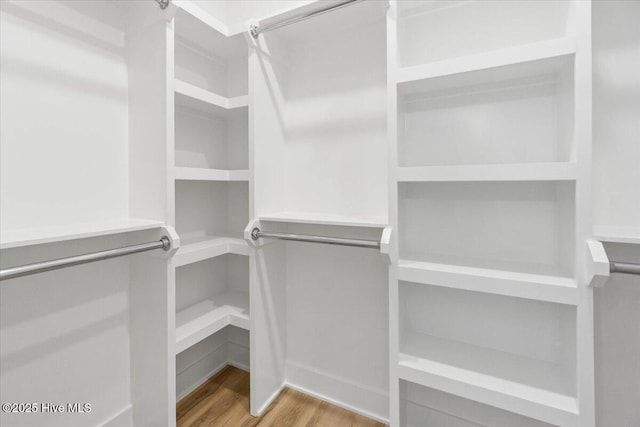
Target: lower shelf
{"points": [[528, 387], [201, 320], [196, 249]]}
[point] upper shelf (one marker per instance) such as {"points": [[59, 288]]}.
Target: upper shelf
{"points": [[37, 236], [204, 174], [539, 58], [546, 171], [193, 97], [617, 234], [324, 219]]}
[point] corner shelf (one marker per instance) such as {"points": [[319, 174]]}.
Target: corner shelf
{"points": [[324, 219], [530, 59], [205, 247], [547, 171], [204, 174], [556, 289], [201, 320], [191, 96], [36, 236], [487, 376]]}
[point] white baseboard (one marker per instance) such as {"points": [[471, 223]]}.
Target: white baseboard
{"points": [[346, 394], [269, 401], [203, 380], [124, 418]]}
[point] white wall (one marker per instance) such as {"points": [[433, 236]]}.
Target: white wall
{"points": [[63, 110]]}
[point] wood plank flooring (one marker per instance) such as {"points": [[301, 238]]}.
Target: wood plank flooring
{"points": [[224, 401]]}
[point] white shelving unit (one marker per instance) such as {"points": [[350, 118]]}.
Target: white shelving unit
{"points": [[489, 113], [210, 174]]}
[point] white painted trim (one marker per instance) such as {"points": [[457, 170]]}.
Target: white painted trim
{"points": [[204, 379], [346, 394], [122, 418]]}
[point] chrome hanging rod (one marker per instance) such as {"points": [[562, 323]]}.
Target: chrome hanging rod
{"points": [[41, 267], [257, 234], [624, 267], [276, 22]]}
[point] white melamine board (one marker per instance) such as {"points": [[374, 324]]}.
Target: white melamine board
{"points": [[268, 321], [191, 96], [531, 286], [438, 369], [616, 128], [150, 97], [475, 26], [558, 171], [196, 322], [201, 248], [37, 236], [323, 219], [522, 227], [63, 108], [536, 58], [513, 120], [426, 406], [152, 326], [211, 208], [202, 174], [617, 234]]}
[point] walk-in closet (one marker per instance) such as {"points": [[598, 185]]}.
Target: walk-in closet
{"points": [[413, 213]]}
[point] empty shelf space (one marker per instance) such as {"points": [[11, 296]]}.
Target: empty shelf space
{"points": [[36, 236], [535, 58], [203, 247], [553, 171], [556, 289], [204, 174], [191, 96], [514, 383], [324, 219], [473, 27], [198, 321]]}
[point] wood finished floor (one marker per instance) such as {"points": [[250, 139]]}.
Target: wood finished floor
{"points": [[224, 401]]}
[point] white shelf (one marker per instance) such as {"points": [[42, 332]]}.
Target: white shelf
{"points": [[193, 97], [520, 61], [205, 247], [503, 380], [617, 234], [201, 320], [552, 171], [562, 290], [324, 219], [37, 236], [203, 174]]}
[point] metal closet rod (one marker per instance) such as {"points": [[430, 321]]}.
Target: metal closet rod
{"points": [[41, 267], [257, 29], [624, 267], [257, 234]]}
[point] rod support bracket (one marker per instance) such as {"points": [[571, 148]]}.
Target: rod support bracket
{"points": [[166, 243], [254, 233]]}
